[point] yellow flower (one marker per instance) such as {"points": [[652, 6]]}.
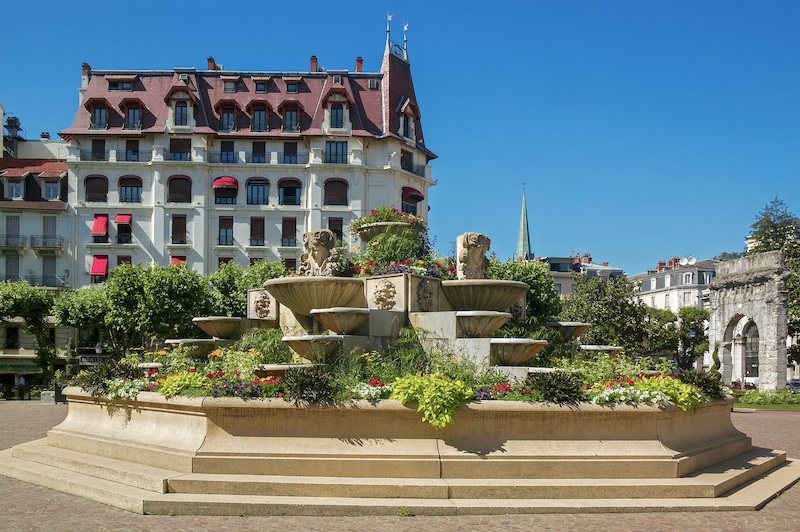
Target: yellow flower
{"points": [[373, 243], [420, 261], [215, 353]]}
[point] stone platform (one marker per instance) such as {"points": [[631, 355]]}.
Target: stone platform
{"points": [[266, 457]]}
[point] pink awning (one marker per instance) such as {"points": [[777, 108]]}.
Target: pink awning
{"points": [[177, 260], [100, 226], [226, 182], [99, 265], [124, 219], [413, 193]]}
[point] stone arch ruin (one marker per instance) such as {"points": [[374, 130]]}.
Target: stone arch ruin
{"points": [[749, 319]]}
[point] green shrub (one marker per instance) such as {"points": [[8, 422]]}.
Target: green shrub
{"points": [[98, 380], [179, 383], [754, 397], [708, 383], [268, 343], [308, 385], [558, 387], [685, 396], [438, 397]]}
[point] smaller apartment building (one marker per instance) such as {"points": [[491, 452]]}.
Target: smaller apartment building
{"points": [[676, 283], [562, 268]]}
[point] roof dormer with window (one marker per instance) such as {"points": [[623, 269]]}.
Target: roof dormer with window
{"points": [[409, 114], [181, 107]]}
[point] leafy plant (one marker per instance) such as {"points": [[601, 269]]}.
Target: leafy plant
{"points": [[437, 396], [308, 385], [386, 214], [709, 383], [685, 396], [179, 383], [559, 387], [268, 343]]}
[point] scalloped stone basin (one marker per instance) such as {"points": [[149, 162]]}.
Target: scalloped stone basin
{"points": [[480, 323], [513, 351], [369, 231], [314, 346], [569, 329], [483, 294], [341, 320], [203, 346], [303, 294], [219, 326]]}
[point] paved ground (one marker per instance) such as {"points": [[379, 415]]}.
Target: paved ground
{"points": [[26, 507]]}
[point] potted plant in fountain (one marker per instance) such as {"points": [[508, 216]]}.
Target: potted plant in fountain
{"points": [[387, 219]]}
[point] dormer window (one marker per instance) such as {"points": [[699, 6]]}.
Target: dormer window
{"points": [[120, 86], [228, 119], [337, 79], [374, 84], [292, 87], [99, 118], [230, 86], [133, 118], [337, 116], [181, 114], [290, 119], [52, 190], [259, 119], [406, 126], [14, 190], [261, 86]]}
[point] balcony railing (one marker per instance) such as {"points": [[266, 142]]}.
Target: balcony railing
{"points": [[257, 242], [124, 238], [179, 198], [137, 156], [289, 242], [100, 239], [418, 169], [13, 241], [224, 200], [292, 158], [100, 124], [94, 155], [258, 127], [179, 238], [225, 240], [336, 200], [336, 158], [97, 196], [47, 242], [291, 128], [50, 281], [290, 200], [179, 156], [132, 125], [13, 278], [225, 157], [256, 157]]}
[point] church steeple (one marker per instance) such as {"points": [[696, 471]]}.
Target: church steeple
{"points": [[524, 239]]}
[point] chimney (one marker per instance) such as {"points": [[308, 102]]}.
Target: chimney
{"points": [[44, 135], [86, 73], [587, 259], [212, 65], [660, 265], [313, 63], [359, 64]]}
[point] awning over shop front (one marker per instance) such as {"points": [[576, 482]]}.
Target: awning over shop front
{"points": [[99, 265]]}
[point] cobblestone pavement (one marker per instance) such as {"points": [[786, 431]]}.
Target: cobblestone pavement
{"points": [[26, 507]]}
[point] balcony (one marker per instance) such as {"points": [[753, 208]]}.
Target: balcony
{"points": [[418, 169], [92, 155], [335, 200], [257, 242], [178, 197], [47, 242], [292, 158], [132, 125], [336, 158], [289, 242], [50, 281], [291, 128], [99, 124], [179, 156], [97, 196], [224, 157], [225, 240], [135, 156], [179, 239], [13, 241], [12, 278], [262, 158], [289, 200], [124, 238]]}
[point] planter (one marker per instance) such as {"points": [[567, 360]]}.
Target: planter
{"points": [[303, 294], [369, 231]]}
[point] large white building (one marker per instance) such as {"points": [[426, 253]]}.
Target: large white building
{"points": [[676, 283], [206, 166]]}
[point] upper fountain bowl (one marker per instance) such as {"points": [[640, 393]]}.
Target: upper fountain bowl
{"points": [[303, 294], [483, 294]]}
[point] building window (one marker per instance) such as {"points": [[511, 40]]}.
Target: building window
{"points": [[180, 150], [687, 278], [687, 299], [181, 114], [226, 153], [120, 86], [96, 188], [124, 229], [178, 234], [337, 115], [257, 192], [290, 120], [259, 152], [132, 150], [653, 283], [666, 300], [374, 84], [228, 120], [336, 152], [289, 192], [259, 120], [406, 123], [257, 231], [12, 338], [289, 232], [177, 260], [409, 200], [98, 151], [12, 264], [224, 260], [292, 87], [123, 259], [335, 192], [289, 155], [99, 269], [100, 229], [52, 190], [226, 231], [133, 118], [337, 225], [14, 190], [291, 264], [707, 277], [130, 190], [230, 86], [261, 86], [666, 281], [99, 118], [179, 189]]}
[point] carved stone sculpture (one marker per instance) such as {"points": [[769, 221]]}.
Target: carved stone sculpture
{"points": [[261, 305], [424, 296], [321, 258], [384, 295], [472, 261]]}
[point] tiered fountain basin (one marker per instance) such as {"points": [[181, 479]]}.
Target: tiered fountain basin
{"points": [[369, 231], [483, 294], [480, 323], [301, 295], [570, 330], [342, 320], [314, 347], [225, 327], [514, 351]]}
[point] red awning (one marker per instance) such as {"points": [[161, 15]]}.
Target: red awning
{"points": [[226, 182], [123, 219], [100, 226], [99, 265], [412, 193], [177, 260]]}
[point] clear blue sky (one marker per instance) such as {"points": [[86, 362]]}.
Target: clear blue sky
{"points": [[642, 129]]}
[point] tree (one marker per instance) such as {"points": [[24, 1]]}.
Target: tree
{"points": [[773, 226], [230, 283], [791, 258], [661, 331], [33, 305], [616, 316], [692, 336], [173, 295], [730, 255], [543, 302]]}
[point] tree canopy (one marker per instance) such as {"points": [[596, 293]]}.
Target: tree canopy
{"points": [[774, 225], [543, 302]]}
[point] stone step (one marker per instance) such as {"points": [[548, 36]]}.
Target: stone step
{"points": [[127, 473]]}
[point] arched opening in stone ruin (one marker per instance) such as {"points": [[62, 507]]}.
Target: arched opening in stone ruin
{"points": [[739, 350]]}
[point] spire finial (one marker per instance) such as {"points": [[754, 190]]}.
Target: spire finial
{"points": [[523, 252]]}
